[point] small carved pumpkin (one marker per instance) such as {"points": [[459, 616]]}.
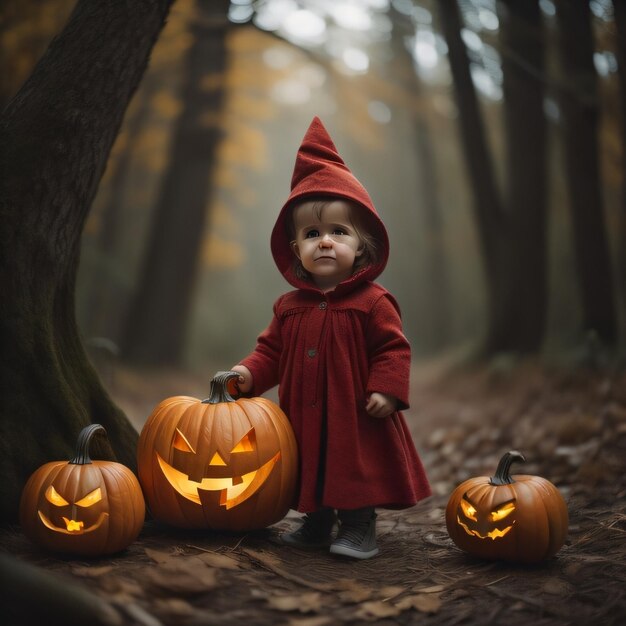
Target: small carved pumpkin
{"points": [[82, 507], [220, 463], [521, 518]]}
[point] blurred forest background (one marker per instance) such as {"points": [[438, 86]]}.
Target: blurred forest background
{"points": [[489, 134]]}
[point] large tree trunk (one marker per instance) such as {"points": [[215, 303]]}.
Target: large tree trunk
{"points": [[522, 275], [486, 201], [579, 106], [25, 32], [512, 234], [619, 9], [157, 319], [55, 137]]}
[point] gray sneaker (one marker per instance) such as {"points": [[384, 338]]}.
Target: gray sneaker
{"points": [[357, 534], [315, 531]]}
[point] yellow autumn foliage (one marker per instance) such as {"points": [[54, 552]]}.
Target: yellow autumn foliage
{"points": [[219, 253]]}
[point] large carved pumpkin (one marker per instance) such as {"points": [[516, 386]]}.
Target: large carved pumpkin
{"points": [[220, 463], [82, 507], [519, 518]]}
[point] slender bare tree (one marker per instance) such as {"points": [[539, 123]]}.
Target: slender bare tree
{"points": [[619, 9], [155, 329], [580, 110]]}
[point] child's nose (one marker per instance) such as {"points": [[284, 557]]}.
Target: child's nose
{"points": [[326, 241]]}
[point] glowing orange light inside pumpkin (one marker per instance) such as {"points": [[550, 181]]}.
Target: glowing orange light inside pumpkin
{"points": [[468, 509], [54, 498], [234, 490], [73, 525], [502, 512], [246, 444], [180, 443], [482, 526], [223, 462], [524, 516]]}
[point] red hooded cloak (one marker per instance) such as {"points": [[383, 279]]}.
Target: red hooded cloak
{"points": [[329, 351]]}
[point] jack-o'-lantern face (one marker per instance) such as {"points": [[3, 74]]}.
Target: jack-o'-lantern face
{"points": [[485, 524], [520, 519], [78, 517], [221, 463], [82, 507], [233, 489]]}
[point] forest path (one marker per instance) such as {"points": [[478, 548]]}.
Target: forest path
{"points": [[571, 425]]}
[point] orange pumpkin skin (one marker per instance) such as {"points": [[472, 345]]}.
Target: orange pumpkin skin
{"points": [[221, 463], [519, 519], [82, 507]]}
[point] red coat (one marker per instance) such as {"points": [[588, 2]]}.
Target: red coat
{"points": [[328, 352]]}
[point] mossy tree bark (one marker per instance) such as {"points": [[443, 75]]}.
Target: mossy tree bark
{"points": [[55, 137]]}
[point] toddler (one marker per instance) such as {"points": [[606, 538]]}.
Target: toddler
{"points": [[336, 349]]}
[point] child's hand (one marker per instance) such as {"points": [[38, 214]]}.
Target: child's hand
{"points": [[245, 378], [381, 405]]}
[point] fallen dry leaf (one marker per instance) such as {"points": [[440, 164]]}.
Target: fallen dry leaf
{"points": [[431, 589], [423, 602], [318, 620], [174, 607], [557, 587], [183, 575], [353, 592], [121, 588], [389, 592], [160, 557], [305, 602], [221, 561], [92, 572], [377, 609], [278, 567], [264, 557]]}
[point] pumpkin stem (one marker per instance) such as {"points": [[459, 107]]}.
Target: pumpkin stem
{"points": [[502, 476], [81, 457], [219, 388]]}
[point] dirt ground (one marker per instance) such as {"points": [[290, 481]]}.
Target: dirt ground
{"points": [[570, 425]]}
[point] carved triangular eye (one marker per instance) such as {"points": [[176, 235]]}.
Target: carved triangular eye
{"points": [[180, 442], [91, 498], [503, 511], [469, 510], [54, 498], [246, 444]]}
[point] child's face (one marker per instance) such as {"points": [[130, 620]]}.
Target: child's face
{"points": [[328, 244]]}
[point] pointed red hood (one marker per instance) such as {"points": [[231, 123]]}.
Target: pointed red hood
{"points": [[320, 171]]}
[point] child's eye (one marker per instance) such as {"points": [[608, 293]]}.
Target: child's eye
{"points": [[312, 233], [339, 231]]}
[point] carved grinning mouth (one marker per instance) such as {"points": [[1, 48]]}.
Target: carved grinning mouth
{"points": [[233, 490], [494, 534], [72, 526]]}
